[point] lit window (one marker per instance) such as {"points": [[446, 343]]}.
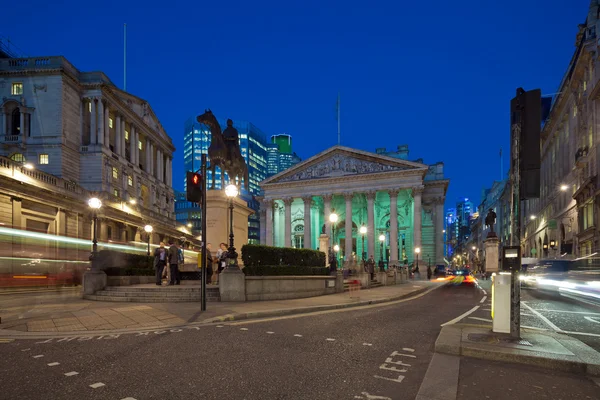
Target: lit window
{"points": [[130, 180], [126, 135], [140, 144], [115, 173], [17, 88], [43, 159], [116, 192], [110, 123]]}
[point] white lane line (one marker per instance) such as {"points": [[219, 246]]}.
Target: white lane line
{"points": [[97, 385], [243, 329], [483, 299], [367, 344], [455, 320], [128, 398], [408, 349], [270, 332], [546, 320], [54, 364], [581, 333], [488, 309], [484, 292], [533, 327], [296, 335], [481, 319], [571, 312], [330, 340], [25, 349], [72, 373], [592, 319], [219, 326], [38, 356]]}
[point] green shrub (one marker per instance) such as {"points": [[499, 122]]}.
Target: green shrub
{"points": [[115, 263], [284, 270], [256, 255]]}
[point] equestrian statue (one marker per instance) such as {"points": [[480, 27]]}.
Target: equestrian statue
{"points": [[224, 150]]}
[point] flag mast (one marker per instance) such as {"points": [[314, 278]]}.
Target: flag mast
{"points": [[125, 57], [338, 118]]}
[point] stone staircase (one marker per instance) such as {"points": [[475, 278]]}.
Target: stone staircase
{"points": [[155, 294], [373, 284]]}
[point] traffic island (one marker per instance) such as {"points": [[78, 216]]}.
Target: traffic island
{"points": [[550, 350]]}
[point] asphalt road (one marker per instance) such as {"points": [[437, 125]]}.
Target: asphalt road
{"points": [[376, 352], [549, 311]]}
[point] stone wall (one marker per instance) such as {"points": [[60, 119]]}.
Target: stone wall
{"points": [[287, 287]]}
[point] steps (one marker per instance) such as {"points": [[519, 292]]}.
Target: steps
{"points": [[156, 294], [372, 284]]}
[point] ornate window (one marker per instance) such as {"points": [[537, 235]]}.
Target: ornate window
{"points": [[115, 173], [17, 89], [43, 159], [16, 122], [18, 157]]}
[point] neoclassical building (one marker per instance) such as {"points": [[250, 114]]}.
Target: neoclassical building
{"points": [[390, 196]]}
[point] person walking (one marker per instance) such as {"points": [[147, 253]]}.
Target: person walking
{"points": [[371, 267], [221, 259], [160, 260], [209, 264], [174, 263]]}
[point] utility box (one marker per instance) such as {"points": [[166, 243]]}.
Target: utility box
{"points": [[511, 259], [501, 302]]}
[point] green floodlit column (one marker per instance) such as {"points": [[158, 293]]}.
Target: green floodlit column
{"points": [[371, 223], [307, 222], [393, 227], [417, 209], [348, 231], [287, 220]]}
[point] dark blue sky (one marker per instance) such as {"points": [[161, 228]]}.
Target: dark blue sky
{"points": [[437, 75]]}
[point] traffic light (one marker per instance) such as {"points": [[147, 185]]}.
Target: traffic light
{"points": [[195, 184]]}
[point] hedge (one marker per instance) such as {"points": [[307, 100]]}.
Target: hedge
{"points": [[115, 263], [285, 270], [254, 255]]}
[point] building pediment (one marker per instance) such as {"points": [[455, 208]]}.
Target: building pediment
{"points": [[342, 161], [143, 110]]}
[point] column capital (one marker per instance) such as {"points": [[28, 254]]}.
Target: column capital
{"points": [[417, 190], [393, 192], [327, 197], [287, 201], [348, 195], [371, 194], [307, 198]]}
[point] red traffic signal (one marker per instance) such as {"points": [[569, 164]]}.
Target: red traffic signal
{"points": [[194, 187]]}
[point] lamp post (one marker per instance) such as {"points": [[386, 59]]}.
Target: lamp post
{"points": [[95, 205], [553, 244], [231, 191], [381, 240], [417, 251], [363, 231], [148, 229], [333, 218]]}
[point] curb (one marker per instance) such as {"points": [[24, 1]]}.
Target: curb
{"points": [[224, 318], [306, 310], [449, 342]]}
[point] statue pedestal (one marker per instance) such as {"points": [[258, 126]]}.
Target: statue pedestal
{"points": [[324, 247], [491, 253], [217, 221]]}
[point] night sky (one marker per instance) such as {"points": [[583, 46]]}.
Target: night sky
{"points": [[436, 75]]}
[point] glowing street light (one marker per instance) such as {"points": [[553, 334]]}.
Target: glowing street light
{"points": [[148, 229], [563, 188], [231, 191], [363, 231], [94, 203]]}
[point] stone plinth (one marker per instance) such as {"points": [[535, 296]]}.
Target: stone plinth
{"points": [[217, 220], [93, 281], [491, 254], [232, 285], [382, 278], [324, 246]]}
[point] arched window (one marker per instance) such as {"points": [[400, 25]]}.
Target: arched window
{"points": [[16, 122], [18, 157]]}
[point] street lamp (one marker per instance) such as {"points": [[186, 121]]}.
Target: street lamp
{"points": [[363, 231], [231, 191], [417, 251], [95, 205], [189, 225], [381, 240], [148, 229], [333, 218], [336, 248]]}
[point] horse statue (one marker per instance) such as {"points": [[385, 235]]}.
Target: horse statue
{"points": [[224, 154]]}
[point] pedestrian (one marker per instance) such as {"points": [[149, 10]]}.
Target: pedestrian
{"points": [[174, 263], [371, 267], [416, 272], [209, 264], [221, 259], [160, 260], [429, 273]]}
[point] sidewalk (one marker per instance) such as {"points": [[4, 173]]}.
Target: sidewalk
{"points": [[66, 313]]}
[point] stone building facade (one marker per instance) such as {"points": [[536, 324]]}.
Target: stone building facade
{"points": [[363, 189], [82, 136]]}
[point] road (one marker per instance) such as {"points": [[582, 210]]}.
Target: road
{"points": [[375, 352]]}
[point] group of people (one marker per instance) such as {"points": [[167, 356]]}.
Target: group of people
{"points": [[220, 259], [170, 258]]}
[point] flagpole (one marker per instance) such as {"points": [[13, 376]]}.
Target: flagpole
{"points": [[501, 167], [125, 57], [338, 118]]}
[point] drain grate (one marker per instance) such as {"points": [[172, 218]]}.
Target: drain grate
{"points": [[519, 342]]}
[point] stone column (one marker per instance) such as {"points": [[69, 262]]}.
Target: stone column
{"points": [[269, 222], [168, 171], [417, 193], [393, 227], [93, 129], [158, 166], [148, 162], [307, 222], [439, 232], [100, 125], [61, 223], [2, 119], [152, 159], [262, 214], [371, 223], [16, 213], [287, 221], [133, 144], [123, 144], [106, 125], [327, 211], [348, 248], [118, 135]]}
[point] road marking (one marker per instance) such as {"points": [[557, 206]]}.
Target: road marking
{"points": [[367, 344], [484, 292], [54, 364], [219, 326], [481, 319], [7, 340], [533, 327], [243, 329], [128, 398], [330, 340], [483, 299], [97, 385], [524, 314], [455, 320], [408, 349], [72, 373], [546, 320], [270, 332], [26, 349], [571, 312], [399, 380], [38, 356], [580, 333], [592, 319], [296, 335], [372, 397]]}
